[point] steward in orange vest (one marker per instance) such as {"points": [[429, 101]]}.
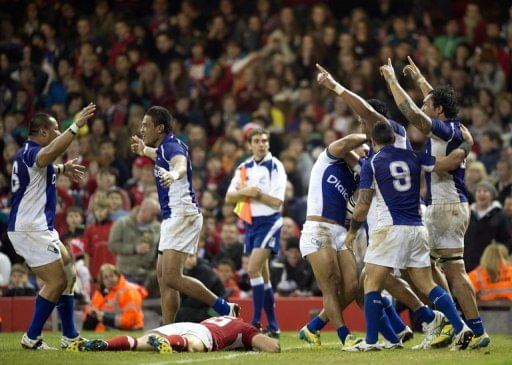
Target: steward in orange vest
{"points": [[492, 280], [117, 303]]}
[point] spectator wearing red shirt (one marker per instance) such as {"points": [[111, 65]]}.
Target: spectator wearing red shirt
{"points": [[95, 238], [124, 38]]}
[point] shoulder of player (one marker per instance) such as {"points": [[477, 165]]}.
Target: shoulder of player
{"points": [[277, 162]]}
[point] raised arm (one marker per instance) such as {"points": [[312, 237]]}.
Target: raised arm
{"points": [[357, 104], [416, 75], [404, 102], [49, 153]]}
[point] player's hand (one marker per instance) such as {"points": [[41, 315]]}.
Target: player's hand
{"points": [[324, 78], [412, 70], [388, 72], [137, 145], [85, 114], [251, 192], [74, 171], [349, 240], [167, 177], [466, 134]]}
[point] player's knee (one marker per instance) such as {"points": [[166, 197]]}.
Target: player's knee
{"points": [[254, 272], [172, 281], [58, 284]]}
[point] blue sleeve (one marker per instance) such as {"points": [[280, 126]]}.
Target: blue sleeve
{"points": [[457, 134], [30, 155], [442, 130], [426, 161], [366, 176], [173, 149]]}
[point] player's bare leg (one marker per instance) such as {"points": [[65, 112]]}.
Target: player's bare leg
{"points": [[325, 268], [172, 271], [169, 298]]}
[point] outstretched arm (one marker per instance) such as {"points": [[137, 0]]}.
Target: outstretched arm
{"points": [[357, 104], [416, 75], [404, 102]]}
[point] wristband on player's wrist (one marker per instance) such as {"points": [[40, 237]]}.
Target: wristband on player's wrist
{"points": [[73, 129], [338, 89]]}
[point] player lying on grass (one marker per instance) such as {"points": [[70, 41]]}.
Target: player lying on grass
{"points": [[213, 334]]}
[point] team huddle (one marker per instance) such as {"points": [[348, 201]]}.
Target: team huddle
{"points": [[414, 240]]}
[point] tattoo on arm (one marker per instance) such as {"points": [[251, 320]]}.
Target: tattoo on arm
{"points": [[365, 196], [414, 115], [355, 225]]}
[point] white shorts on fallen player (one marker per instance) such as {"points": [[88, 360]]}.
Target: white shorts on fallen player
{"points": [[316, 235], [447, 224], [189, 329], [399, 247], [180, 233], [38, 248]]}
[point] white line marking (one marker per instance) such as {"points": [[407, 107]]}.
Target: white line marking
{"points": [[230, 356]]}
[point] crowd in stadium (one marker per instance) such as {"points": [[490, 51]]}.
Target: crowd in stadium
{"points": [[222, 68]]}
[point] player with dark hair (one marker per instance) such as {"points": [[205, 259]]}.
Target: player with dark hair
{"points": [[182, 219], [213, 334], [447, 215], [399, 240], [31, 222], [331, 188], [370, 112]]}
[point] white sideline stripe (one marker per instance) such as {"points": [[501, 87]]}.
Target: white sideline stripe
{"points": [[228, 356]]}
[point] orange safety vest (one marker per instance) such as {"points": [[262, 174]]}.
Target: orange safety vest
{"points": [[125, 300], [487, 290]]}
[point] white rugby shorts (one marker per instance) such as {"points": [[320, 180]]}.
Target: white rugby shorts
{"points": [[180, 233], [38, 248], [399, 247], [316, 235], [447, 224], [189, 329]]}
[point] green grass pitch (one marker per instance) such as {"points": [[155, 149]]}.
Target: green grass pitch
{"points": [[294, 352]]}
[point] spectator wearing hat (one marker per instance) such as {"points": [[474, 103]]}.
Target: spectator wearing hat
{"points": [[19, 286], [487, 222]]}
